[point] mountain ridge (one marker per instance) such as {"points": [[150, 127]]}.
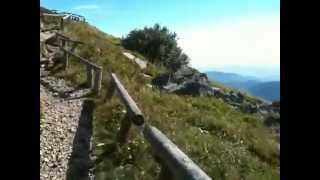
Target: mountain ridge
{"points": [[269, 90]]}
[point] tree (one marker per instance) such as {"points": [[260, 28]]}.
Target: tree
{"points": [[158, 44]]}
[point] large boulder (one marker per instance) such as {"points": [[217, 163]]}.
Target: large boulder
{"points": [[248, 107], [272, 120], [188, 74], [194, 89], [185, 81]]}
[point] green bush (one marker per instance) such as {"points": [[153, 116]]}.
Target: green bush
{"points": [[158, 44]]}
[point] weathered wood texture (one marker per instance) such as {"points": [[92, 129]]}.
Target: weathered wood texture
{"points": [[174, 163], [123, 133], [181, 166], [52, 15], [65, 38], [66, 61], [97, 81], [84, 61], [165, 173], [90, 82], [58, 19], [135, 114], [110, 91], [94, 72]]}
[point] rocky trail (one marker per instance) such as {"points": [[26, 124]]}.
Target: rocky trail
{"points": [[66, 116], [65, 131]]}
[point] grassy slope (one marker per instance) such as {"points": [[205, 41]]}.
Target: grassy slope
{"points": [[224, 142]]}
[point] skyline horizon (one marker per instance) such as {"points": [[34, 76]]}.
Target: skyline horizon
{"points": [[224, 35]]}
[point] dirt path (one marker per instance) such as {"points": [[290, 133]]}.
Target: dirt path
{"points": [[65, 131]]}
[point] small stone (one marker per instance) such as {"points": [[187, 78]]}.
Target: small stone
{"points": [[72, 129], [100, 144]]}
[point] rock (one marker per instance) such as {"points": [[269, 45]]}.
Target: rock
{"points": [[160, 81], [272, 120], [146, 75], [248, 107], [72, 129], [100, 144], [185, 81], [141, 63], [194, 89]]}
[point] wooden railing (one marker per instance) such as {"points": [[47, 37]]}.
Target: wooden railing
{"points": [[61, 17], [57, 17], [174, 163], [75, 17], [94, 72]]}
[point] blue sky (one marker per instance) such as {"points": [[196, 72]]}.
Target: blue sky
{"points": [[214, 33]]}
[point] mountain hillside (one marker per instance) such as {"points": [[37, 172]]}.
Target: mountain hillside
{"points": [[224, 141], [266, 90], [45, 10], [229, 77]]}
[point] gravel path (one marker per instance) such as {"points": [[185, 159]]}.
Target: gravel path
{"points": [[65, 131]]}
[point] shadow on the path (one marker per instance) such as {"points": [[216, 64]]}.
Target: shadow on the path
{"points": [[66, 94], [79, 162]]}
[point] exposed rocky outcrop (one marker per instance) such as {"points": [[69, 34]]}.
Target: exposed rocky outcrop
{"points": [[189, 81], [186, 80]]}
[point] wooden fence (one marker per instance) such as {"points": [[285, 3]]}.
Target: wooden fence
{"points": [[175, 165], [72, 16], [45, 18], [94, 72], [60, 18]]}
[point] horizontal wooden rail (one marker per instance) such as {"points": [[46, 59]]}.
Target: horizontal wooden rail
{"points": [[83, 60], [52, 15], [134, 111], [94, 72], [175, 164], [65, 16], [68, 39], [181, 166]]}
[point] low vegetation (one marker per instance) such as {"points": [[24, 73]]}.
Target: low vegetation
{"points": [[224, 142]]}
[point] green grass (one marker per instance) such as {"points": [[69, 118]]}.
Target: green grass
{"points": [[224, 142]]}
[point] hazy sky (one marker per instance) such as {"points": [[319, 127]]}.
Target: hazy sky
{"points": [[214, 33]]}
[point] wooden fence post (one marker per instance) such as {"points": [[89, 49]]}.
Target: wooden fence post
{"points": [[61, 24], [66, 61], [123, 133], [165, 173], [97, 80], [73, 48], [89, 76], [110, 91]]}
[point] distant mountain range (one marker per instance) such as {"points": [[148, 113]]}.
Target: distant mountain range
{"points": [[269, 90], [45, 10]]}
